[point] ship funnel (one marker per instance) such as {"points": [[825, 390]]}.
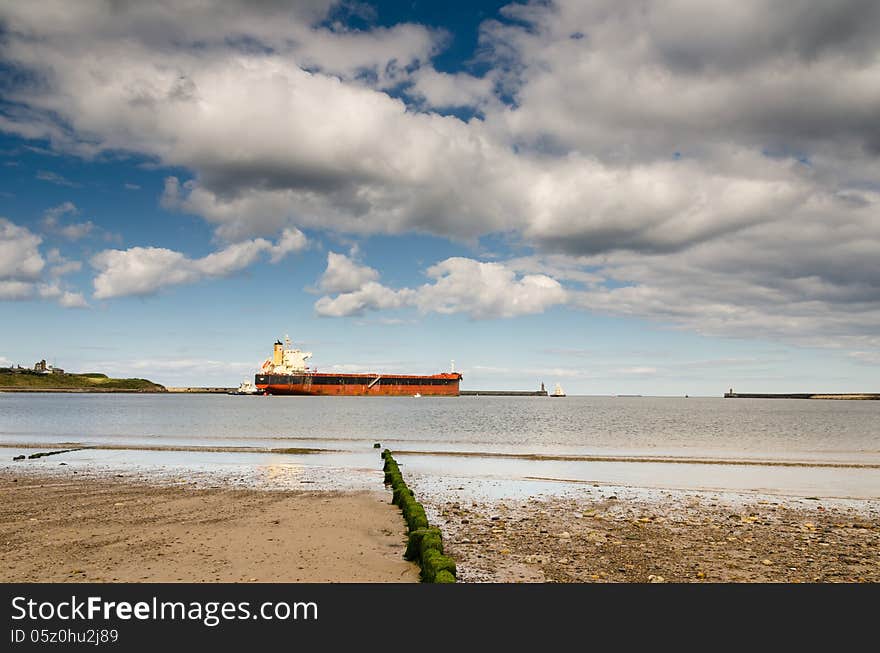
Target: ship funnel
{"points": [[278, 353], [452, 366]]}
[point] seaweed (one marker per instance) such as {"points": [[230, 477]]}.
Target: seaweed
{"points": [[424, 543]]}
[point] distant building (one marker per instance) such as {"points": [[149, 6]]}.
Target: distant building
{"points": [[43, 368]]}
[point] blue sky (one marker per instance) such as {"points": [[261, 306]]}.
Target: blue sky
{"points": [[621, 201]]}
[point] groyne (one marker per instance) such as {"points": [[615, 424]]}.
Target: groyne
{"points": [[424, 543]]}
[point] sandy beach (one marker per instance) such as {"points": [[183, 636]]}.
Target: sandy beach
{"points": [[56, 528]]}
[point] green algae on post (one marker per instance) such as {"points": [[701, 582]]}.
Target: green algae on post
{"points": [[425, 543]]}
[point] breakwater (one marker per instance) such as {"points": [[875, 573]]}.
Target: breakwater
{"points": [[503, 393], [805, 395]]}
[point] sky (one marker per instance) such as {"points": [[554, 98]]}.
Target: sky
{"points": [[623, 197]]}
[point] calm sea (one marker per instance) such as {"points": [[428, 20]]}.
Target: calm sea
{"points": [[798, 447]]}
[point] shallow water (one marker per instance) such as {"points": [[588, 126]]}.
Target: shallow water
{"points": [[607, 440]]}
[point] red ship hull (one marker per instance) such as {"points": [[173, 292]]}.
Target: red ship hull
{"points": [[352, 385]]}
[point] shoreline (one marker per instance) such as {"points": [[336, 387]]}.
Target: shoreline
{"points": [[57, 528], [592, 533], [535, 457]]}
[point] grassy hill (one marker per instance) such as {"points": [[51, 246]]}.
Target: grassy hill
{"points": [[92, 381]]}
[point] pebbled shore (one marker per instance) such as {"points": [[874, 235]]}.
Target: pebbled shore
{"points": [[674, 537]]}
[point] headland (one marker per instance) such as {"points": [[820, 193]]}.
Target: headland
{"points": [[21, 380]]}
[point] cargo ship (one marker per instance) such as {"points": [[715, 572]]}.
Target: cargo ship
{"points": [[286, 373]]}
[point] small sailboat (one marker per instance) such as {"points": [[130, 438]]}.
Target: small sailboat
{"points": [[416, 395], [558, 392]]}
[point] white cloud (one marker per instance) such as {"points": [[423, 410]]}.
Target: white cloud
{"points": [[61, 266], [20, 258], [486, 290], [460, 285], [637, 370], [144, 270], [291, 240], [64, 268], [139, 271], [22, 267], [65, 298], [72, 300], [52, 215], [344, 275], [371, 296], [13, 290], [75, 231], [445, 90]]}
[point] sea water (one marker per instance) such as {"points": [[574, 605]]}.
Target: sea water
{"points": [[518, 444]]}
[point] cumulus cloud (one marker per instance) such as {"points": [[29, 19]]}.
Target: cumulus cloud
{"points": [[486, 290], [20, 258], [460, 285], [291, 240], [343, 275], [64, 268], [711, 165], [446, 90], [52, 222], [144, 270], [52, 215], [371, 296], [65, 298], [22, 267], [59, 265], [698, 75]]}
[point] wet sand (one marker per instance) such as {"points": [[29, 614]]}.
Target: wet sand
{"points": [[56, 528], [674, 537]]}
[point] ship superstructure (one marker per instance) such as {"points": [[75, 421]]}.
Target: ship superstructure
{"points": [[286, 373]]}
